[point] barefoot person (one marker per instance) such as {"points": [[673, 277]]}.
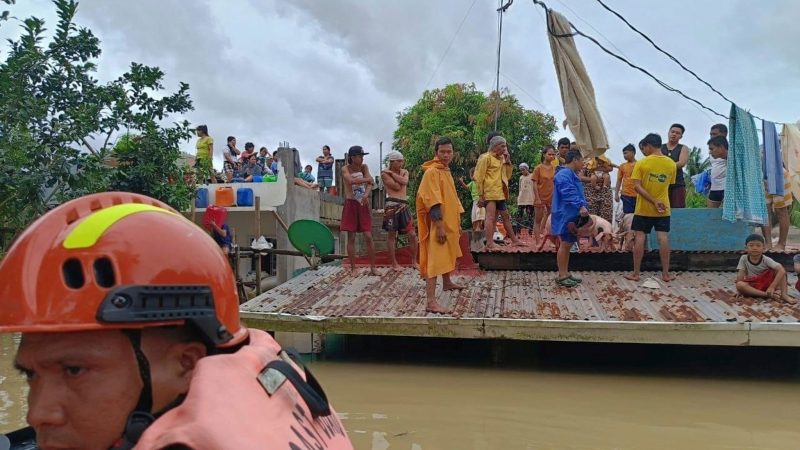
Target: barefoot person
{"points": [[396, 216], [492, 174], [569, 204], [439, 223], [356, 214], [761, 276], [652, 177]]}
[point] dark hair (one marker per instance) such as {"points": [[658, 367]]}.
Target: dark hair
{"points": [[721, 127], [629, 148], [754, 237], [652, 139], [548, 147], [677, 125], [446, 140], [231, 138], [249, 145], [572, 155], [718, 141], [203, 129], [326, 147], [563, 141], [308, 166], [491, 135], [263, 148]]}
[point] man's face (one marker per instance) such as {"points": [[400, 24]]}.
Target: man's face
{"points": [[83, 385], [396, 164], [445, 153], [308, 169], [498, 149], [628, 155], [563, 149], [675, 134], [524, 171], [252, 160], [357, 159], [326, 151]]}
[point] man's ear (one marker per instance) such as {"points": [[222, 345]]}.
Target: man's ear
{"points": [[188, 354]]}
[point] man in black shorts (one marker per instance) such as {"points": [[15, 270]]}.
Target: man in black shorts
{"points": [[652, 177]]}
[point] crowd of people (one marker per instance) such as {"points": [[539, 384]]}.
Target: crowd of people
{"points": [[246, 166]]}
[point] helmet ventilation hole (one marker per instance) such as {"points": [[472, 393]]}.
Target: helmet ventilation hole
{"points": [[73, 273], [104, 272]]}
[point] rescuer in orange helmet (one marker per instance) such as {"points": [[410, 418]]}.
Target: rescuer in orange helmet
{"points": [[131, 338]]}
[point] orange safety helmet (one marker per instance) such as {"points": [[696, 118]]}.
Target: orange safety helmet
{"points": [[118, 260]]}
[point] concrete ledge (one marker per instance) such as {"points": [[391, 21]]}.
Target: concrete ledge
{"points": [[682, 333]]}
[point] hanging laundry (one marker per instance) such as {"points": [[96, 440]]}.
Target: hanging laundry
{"points": [[790, 146], [773, 165], [744, 200], [577, 92]]}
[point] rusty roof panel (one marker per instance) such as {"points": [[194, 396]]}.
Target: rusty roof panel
{"points": [[332, 291]]}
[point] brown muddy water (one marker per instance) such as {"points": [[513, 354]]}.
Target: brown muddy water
{"points": [[416, 394]]}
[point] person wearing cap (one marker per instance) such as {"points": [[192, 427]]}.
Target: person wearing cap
{"points": [[356, 214], [492, 174], [132, 339], [396, 215], [525, 200], [569, 213], [439, 224]]}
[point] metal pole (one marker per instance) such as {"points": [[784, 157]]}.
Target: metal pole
{"points": [[497, 80]]}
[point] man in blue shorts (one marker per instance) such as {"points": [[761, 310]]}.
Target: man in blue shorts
{"points": [[569, 206]]}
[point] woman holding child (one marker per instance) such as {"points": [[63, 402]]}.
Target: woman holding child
{"points": [[598, 187]]}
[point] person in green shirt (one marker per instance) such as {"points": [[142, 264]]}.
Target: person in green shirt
{"points": [[478, 213], [204, 156]]}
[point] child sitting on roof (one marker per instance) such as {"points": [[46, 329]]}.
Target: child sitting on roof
{"points": [[759, 275]]}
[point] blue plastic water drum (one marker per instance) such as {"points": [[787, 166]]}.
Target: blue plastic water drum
{"points": [[244, 197], [201, 198], [257, 178]]}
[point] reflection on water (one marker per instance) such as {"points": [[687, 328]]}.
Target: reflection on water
{"points": [[415, 395]]}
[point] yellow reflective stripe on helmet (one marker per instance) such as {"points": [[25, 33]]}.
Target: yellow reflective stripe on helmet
{"points": [[94, 226]]}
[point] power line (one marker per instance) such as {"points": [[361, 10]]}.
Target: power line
{"points": [[500, 11], [447, 50], [625, 60], [593, 28], [669, 55]]}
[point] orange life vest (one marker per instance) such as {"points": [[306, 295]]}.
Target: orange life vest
{"points": [[235, 401]]}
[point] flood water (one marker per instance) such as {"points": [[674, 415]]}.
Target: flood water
{"points": [[417, 394]]}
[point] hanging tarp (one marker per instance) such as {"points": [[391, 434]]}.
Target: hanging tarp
{"points": [[773, 163], [577, 92], [744, 189], [790, 144]]}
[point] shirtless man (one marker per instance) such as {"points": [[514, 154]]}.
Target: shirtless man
{"points": [[356, 215], [396, 216]]}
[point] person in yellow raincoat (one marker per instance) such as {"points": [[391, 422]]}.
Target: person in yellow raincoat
{"points": [[492, 174], [439, 224]]}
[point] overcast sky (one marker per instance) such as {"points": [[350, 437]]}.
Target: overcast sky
{"points": [[336, 72]]}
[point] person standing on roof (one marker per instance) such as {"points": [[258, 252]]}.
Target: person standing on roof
{"points": [[679, 153], [439, 215], [132, 339], [356, 214], [652, 177], [325, 169], [396, 215], [525, 200], [569, 210], [492, 173]]}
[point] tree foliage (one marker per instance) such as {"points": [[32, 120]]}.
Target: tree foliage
{"points": [[696, 163], [58, 123], [466, 115]]}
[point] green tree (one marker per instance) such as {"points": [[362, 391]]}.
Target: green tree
{"points": [[58, 123], [696, 163], [466, 115]]}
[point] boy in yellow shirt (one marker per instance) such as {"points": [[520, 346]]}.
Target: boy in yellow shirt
{"points": [[652, 177]]}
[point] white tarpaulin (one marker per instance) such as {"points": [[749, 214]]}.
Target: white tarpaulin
{"points": [[577, 93]]}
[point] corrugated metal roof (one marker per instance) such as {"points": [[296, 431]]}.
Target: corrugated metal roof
{"points": [[603, 296]]}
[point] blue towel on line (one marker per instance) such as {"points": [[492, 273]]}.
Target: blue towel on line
{"points": [[773, 163], [744, 200]]}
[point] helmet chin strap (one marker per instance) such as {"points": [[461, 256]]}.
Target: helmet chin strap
{"points": [[141, 417]]}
